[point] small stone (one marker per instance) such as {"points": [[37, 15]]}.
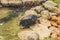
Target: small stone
{"points": [[41, 30], [54, 36], [28, 35], [11, 2], [49, 3], [52, 8], [32, 2], [55, 30], [54, 18], [59, 27], [59, 5], [30, 12], [58, 22], [54, 23], [38, 9], [44, 21], [45, 14], [52, 14]]}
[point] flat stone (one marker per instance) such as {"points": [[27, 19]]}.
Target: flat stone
{"points": [[41, 30], [28, 35]]}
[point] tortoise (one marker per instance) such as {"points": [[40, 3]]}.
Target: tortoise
{"points": [[28, 21]]}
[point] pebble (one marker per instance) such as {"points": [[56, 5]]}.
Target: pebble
{"points": [[41, 30], [49, 3], [27, 35]]}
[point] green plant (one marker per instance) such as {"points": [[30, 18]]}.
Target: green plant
{"points": [[57, 1], [47, 38]]}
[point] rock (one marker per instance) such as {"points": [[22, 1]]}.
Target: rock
{"points": [[11, 2], [41, 30], [52, 14], [45, 14], [32, 2], [30, 12], [44, 21], [21, 2], [55, 30], [54, 9], [51, 7], [59, 5], [28, 21], [28, 35], [38, 9], [49, 3]]}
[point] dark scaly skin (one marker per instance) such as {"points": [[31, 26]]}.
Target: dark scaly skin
{"points": [[28, 21]]}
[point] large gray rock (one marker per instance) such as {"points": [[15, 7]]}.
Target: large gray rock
{"points": [[28, 35]]}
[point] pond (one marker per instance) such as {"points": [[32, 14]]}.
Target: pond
{"points": [[9, 29]]}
